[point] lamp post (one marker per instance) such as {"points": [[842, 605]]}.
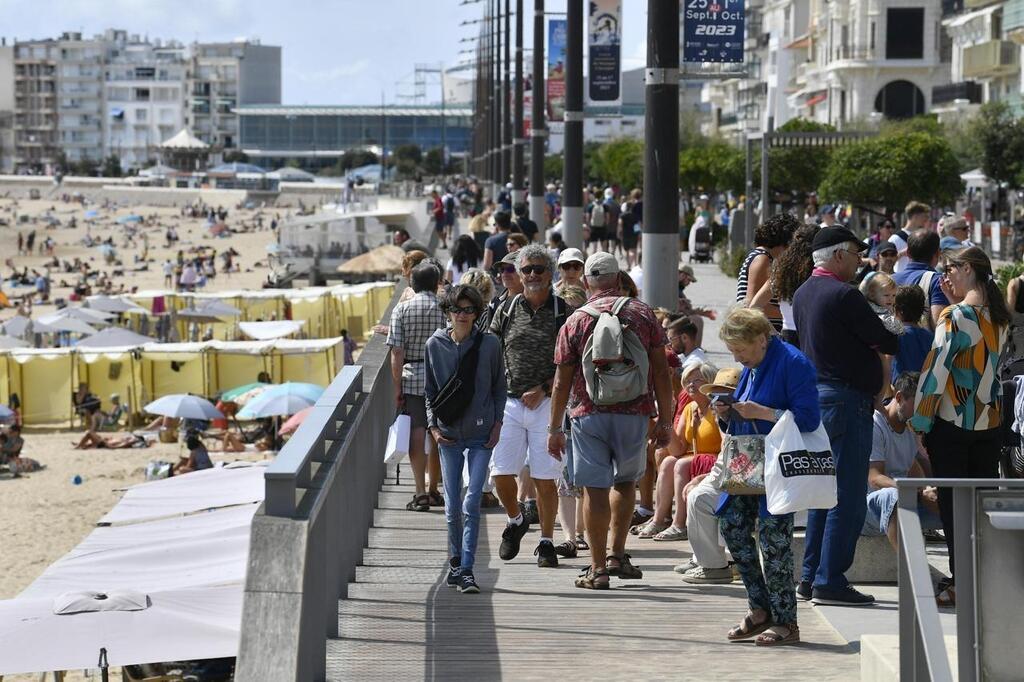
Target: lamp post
{"points": [[538, 126], [572, 169]]}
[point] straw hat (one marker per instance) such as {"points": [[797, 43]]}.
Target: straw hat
{"points": [[726, 381]]}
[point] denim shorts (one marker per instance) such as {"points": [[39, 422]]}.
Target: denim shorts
{"points": [[608, 449], [881, 505]]}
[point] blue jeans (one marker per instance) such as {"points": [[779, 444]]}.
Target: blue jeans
{"points": [[832, 533], [463, 515]]}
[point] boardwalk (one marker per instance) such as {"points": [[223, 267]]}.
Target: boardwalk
{"points": [[401, 621]]}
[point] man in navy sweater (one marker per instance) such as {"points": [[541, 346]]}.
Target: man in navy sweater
{"points": [[841, 336]]}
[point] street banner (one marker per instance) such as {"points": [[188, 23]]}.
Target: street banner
{"points": [[713, 31], [556, 70], [604, 49]]}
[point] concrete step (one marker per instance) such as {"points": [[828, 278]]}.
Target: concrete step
{"points": [[875, 561], [880, 658]]}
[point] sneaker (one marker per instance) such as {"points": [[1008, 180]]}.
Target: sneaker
{"points": [[452, 579], [683, 568], [639, 518], [546, 556], [845, 596], [467, 584], [804, 590], [708, 576], [566, 550], [529, 511], [510, 539]]}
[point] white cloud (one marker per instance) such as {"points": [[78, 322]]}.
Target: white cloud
{"points": [[327, 75]]}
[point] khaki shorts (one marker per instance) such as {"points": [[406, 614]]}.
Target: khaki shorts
{"points": [[416, 408]]}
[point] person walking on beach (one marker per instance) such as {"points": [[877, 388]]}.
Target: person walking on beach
{"points": [[471, 358], [609, 440]]}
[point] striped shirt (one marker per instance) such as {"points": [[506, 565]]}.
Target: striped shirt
{"points": [[741, 283], [958, 382]]}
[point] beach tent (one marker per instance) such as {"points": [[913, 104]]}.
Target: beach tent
{"points": [[275, 329], [114, 337], [7, 342], [174, 368], [42, 379], [234, 363], [110, 370], [286, 174], [184, 140], [114, 304], [315, 361], [236, 167]]}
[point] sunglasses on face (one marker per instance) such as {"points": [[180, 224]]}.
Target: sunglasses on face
{"points": [[534, 269], [462, 310], [507, 269], [571, 266]]}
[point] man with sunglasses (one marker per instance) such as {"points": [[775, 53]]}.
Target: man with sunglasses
{"points": [[842, 336], [527, 325]]}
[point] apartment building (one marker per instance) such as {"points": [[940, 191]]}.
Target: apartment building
{"points": [[36, 140], [223, 76], [843, 62], [145, 99], [6, 107]]}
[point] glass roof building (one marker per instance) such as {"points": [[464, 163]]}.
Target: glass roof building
{"points": [[317, 135]]}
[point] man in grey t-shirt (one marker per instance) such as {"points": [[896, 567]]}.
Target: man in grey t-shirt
{"points": [[894, 455]]}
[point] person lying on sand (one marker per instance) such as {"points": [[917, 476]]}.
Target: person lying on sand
{"points": [[91, 439]]}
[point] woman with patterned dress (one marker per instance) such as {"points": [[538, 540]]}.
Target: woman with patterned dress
{"points": [[958, 395]]}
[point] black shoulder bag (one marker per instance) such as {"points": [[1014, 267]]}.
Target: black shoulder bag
{"points": [[457, 393]]}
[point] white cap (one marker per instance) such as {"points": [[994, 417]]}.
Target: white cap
{"points": [[508, 185], [571, 256], [601, 263], [609, 193]]}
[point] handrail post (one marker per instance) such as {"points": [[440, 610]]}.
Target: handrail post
{"points": [[907, 498], [966, 626]]}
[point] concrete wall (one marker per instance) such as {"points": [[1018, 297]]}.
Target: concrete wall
{"points": [[117, 190]]}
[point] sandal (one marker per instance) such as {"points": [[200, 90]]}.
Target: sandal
{"points": [[581, 543], [651, 529], [747, 628], [591, 579], [670, 534], [773, 638], [435, 499], [419, 503], [625, 570]]}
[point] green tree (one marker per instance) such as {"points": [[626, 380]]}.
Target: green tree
{"points": [[357, 158], [1000, 136], [712, 165], [891, 170], [553, 166], [432, 162], [235, 155], [620, 162], [799, 169], [112, 166]]}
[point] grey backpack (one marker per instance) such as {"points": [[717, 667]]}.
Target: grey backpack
{"points": [[615, 364]]}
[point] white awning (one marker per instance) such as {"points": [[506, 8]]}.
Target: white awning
{"points": [[272, 329]]}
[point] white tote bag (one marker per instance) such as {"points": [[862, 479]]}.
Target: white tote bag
{"points": [[398, 439], [799, 468]]}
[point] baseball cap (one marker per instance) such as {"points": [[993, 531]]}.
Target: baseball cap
{"points": [[830, 236], [509, 259], [571, 256], [601, 263], [885, 247], [688, 269]]}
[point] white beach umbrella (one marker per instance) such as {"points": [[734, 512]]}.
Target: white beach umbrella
{"points": [[184, 406]]}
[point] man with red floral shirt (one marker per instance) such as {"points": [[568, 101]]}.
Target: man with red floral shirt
{"points": [[609, 441]]}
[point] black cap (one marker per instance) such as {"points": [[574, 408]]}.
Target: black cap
{"points": [[830, 236], [887, 246]]}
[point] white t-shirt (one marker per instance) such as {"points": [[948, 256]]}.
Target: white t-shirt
{"points": [[901, 248], [897, 450], [456, 271], [693, 357], [788, 321]]}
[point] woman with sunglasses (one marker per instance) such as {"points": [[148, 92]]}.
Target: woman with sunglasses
{"points": [[958, 406], [465, 441]]}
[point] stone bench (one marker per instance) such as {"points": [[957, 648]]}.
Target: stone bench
{"points": [[880, 657], [875, 561]]}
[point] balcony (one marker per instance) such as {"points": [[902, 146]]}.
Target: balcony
{"points": [[991, 59], [976, 4], [1013, 20], [968, 91]]}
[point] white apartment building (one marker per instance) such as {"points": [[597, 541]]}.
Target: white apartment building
{"points": [[843, 62], [145, 100]]}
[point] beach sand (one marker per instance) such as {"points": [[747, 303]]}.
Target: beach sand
{"points": [[45, 514]]}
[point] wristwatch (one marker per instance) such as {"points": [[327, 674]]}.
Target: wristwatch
{"points": [[555, 429], [778, 414]]}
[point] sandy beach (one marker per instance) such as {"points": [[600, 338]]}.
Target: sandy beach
{"points": [[45, 514]]}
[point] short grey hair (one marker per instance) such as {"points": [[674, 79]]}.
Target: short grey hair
{"points": [[534, 252], [824, 255], [599, 282], [707, 371]]}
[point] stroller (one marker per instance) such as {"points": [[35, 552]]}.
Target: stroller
{"points": [[702, 250]]}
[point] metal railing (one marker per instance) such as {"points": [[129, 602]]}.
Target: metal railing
{"points": [[309, 534], [923, 653]]}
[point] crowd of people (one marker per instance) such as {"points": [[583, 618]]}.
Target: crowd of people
{"points": [[536, 370]]}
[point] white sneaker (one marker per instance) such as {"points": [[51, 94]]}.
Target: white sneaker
{"points": [[683, 568], [708, 576]]}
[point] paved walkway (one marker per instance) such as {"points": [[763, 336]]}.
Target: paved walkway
{"points": [[401, 621]]}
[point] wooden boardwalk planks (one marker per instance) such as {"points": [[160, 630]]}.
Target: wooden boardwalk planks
{"points": [[401, 622]]}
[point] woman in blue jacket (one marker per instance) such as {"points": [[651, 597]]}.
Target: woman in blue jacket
{"points": [[469, 438], [776, 377]]}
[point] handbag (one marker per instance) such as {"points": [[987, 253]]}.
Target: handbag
{"points": [[398, 439], [457, 394], [799, 470], [742, 465]]}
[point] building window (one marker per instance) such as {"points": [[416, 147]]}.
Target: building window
{"points": [[904, 33], [871, 35], [140, 115], [141, 94]]}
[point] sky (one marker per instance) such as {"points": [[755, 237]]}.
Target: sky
{"points": [[333, 51]]}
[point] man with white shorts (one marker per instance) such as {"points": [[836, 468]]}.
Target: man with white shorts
{"points": [[528, 325]]}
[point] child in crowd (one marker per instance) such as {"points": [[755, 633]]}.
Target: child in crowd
{"points": [[880, 290], [915, 341]]}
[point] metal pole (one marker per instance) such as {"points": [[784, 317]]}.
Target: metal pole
{"points": [[383, 140], [538, 125], [518, 141], [444, 129], [496, 89], [748, 203], [506, 100], [661, 156], [966, 625], [572, 171], [766, 138]]}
